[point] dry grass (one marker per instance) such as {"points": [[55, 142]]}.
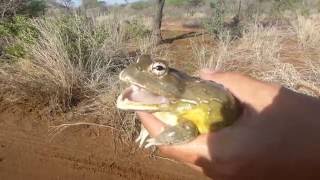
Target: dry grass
{"points": [[147, 45], [73, 68], [307, 30], [212, 57], [246, 54], [62, 68], [257, 54]]}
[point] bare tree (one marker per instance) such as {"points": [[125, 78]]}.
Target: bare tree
{"points": [[66, 4], [157, 21]]}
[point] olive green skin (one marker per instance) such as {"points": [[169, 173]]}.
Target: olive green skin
{"points": [[195, 106], [175, 84], [188, 96]]}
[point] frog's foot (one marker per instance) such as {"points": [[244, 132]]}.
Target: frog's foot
{"points": [[151, 142], [181, 133], [142, 136]]}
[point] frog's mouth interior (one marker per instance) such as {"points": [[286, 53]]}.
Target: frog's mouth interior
{"points": [[138, 98]]}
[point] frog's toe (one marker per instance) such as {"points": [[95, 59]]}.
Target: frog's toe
{"points": [[142, 136], [152, 142]]}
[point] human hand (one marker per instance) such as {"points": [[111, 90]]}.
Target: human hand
{"points": [[276, 137]]}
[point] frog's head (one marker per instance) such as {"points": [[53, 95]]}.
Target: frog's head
{"points": [[153, 85]]}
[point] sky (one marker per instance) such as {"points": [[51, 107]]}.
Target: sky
{"points": [[77, 2]]}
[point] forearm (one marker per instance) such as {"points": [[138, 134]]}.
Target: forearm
{"points": [[287, 142]]}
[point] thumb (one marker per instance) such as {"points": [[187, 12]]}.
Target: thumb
{"points": [[151, 123]]}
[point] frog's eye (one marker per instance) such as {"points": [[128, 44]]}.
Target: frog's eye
{"points": [[159, 68]]}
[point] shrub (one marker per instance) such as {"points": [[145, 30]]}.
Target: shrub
{"points": [[307, 30], [176, 2], [29, 8], [278, 7], [15, 50], [74, 59], [136, 29], [34, 8], [14, 32], [73, 68], [215, 23], [195, 3], [140, 5]]}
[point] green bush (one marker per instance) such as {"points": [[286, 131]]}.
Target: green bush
{"points": [[136, 29], [140, 5], [35, 8], [217, 26], [279, 6], [176, 2], [190, 3], [79, 36], [15, 50], [215, 23], [15, 32], [195, 3]]}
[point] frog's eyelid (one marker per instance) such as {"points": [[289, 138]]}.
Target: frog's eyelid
{"points": [[159, 67], [158, 64]]}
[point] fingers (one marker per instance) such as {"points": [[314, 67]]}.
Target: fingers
{"points": [[249, 91], [235, 82], [190, 152], [151, 123]]}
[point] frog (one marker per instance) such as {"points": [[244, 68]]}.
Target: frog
{"points": [[187, 105]]}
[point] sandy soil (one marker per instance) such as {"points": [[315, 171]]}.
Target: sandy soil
{"points": [[82, 152]]}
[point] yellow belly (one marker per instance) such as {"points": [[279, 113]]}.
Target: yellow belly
{"points": [[203, 116]]}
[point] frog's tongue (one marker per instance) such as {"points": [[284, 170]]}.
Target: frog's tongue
{"points": [[136, 98]]}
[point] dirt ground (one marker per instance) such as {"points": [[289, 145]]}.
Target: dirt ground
{"points": [[82, 152]]}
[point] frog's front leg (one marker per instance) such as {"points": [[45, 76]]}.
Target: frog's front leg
{"points": [[181, 133]]}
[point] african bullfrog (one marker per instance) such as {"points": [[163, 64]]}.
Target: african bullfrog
{"points": [[188, 105]]}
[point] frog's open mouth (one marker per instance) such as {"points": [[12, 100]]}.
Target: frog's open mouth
{"points": [[137, 98]]}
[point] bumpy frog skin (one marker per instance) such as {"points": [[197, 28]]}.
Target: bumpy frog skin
{"points": [[188, 105]]}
